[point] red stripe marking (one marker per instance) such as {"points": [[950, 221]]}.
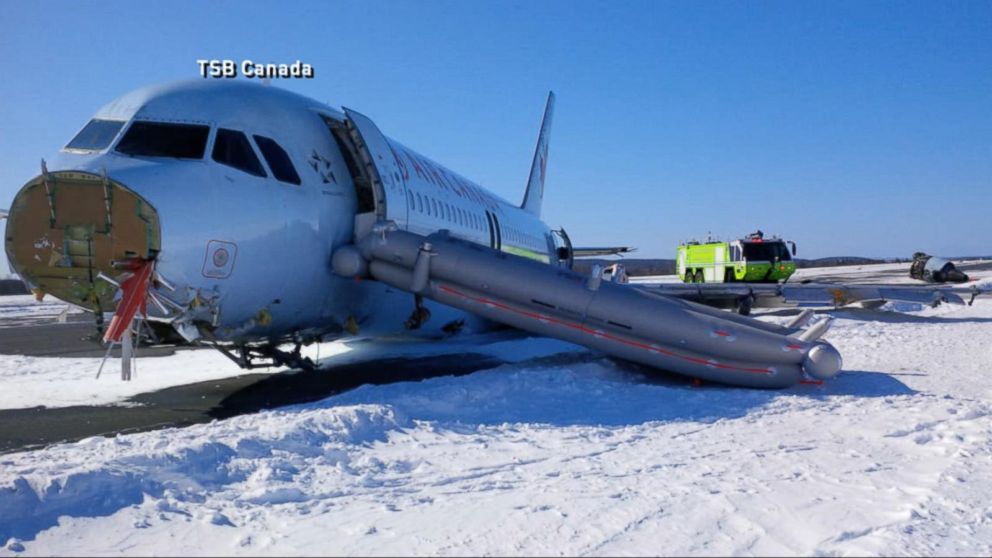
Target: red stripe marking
{"points": [[597, 333]]}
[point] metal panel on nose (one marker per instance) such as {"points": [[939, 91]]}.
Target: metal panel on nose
{"points": [[67, 227]]}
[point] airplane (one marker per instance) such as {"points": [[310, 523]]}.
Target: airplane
{"points": [[246, 217]]}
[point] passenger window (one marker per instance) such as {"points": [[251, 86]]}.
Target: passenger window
{"points": [[231, 148], [409, 200], [277, 158], [96, 135], [434, 207], [420, 203], [156, 139]]}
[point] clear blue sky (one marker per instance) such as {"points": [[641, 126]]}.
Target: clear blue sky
{"points": [[854, 128]]}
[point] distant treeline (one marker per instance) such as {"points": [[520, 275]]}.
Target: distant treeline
{"points": [[641, 267]]}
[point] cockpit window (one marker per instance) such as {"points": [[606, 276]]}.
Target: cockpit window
{"points": [[96, 135], [231, 148], [278, 160], [157, 139]]}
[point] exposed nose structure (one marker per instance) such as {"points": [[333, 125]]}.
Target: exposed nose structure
{"points": [[67, 227]]}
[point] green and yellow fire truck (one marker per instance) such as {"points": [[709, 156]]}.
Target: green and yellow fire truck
{"points": [[752, 259]]}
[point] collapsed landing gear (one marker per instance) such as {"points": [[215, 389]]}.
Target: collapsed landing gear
{"points": [[420, 314], [265, 356]]}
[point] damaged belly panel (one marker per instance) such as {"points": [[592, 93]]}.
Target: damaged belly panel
{"points": [[67, 227]]}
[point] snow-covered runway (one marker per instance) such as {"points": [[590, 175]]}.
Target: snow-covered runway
{"points": [[558, 452]]}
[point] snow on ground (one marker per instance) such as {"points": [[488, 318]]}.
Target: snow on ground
{"points": [[31, 381], [25, 306], [562, 454]]}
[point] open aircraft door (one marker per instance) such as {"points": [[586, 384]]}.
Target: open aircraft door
{"points": [[388, 189]]}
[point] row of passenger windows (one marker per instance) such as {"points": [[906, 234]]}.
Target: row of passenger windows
{"points": [[434, 208], [521, 238], [429, 206], [189, 141]]}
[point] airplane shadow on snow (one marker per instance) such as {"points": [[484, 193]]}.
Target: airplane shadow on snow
{"points": [[586, 388]]}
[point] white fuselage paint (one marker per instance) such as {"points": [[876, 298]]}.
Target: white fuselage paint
{"points": [[285, 234]]}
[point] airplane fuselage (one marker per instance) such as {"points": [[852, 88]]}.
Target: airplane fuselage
{"points": [[245, 241]]}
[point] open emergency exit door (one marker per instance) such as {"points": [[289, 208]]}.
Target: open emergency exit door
{"points": [[382, 169]]}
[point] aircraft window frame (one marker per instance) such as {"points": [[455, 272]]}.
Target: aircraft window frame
{"points": [[236, 135], [410, 204], [283, 170], [97, 135], [140, 146], [434, 207], [420, 203]]}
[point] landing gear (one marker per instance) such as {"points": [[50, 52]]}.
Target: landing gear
{"points": [[453, 327], [744, 305], [420, 314], [265, 356]]}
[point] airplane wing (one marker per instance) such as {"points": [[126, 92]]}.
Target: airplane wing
{"points": [[743, 296], [603, 251], [4, 213]]}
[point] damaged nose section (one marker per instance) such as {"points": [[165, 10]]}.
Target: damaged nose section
{"points": [[66, 228]]}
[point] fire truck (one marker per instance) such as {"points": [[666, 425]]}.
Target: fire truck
{"points": [[752, 259]]}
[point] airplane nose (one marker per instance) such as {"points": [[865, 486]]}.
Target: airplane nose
{"points": [[66, 227]]}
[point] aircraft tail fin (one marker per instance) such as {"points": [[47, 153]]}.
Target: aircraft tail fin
{"points": [[535, 183]]}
